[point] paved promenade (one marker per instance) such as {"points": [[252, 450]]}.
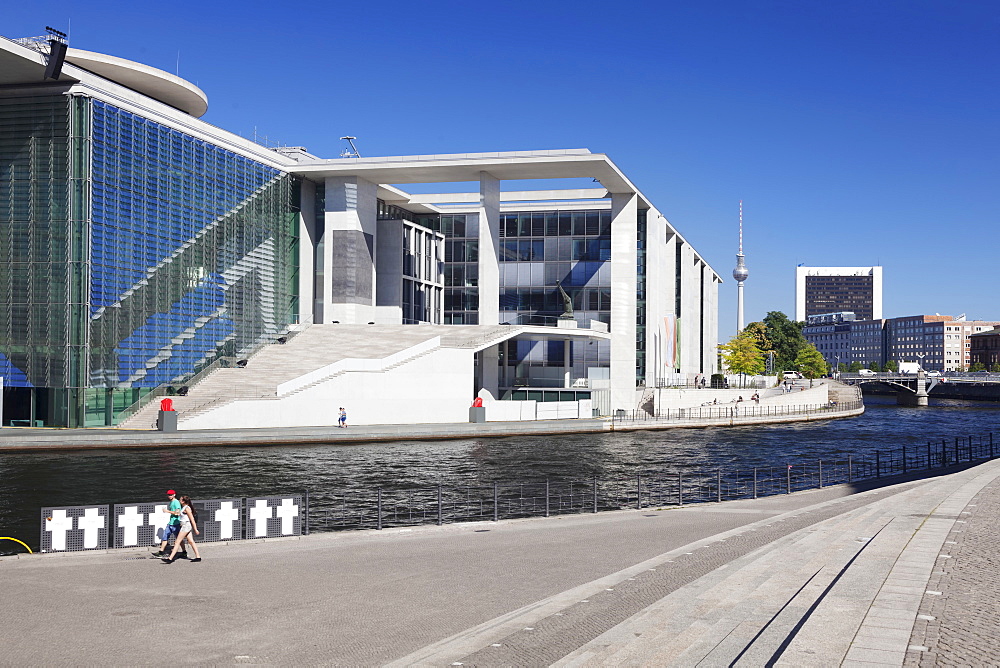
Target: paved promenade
{"points": [[23, 438], [838, 576]]}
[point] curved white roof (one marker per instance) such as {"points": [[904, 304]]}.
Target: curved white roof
{"points": [[144, 79]]}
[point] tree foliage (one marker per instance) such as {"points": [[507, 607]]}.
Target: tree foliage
{"points": [[874, 366], [891, 365], [785, 337], [854, 367], [978, 366], [758, 331], [741, 355], [810, 362]]}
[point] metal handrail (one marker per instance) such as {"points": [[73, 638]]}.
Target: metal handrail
{"points": [[732, 410], [383, 507]]}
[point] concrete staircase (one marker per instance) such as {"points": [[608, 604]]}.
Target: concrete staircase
{"points": [[313, 349], [842, 393]]}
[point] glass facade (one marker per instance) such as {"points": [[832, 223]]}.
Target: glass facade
{"points": [[834, 294], [421, 291], [162, 253], [538, 250], [461, 265]]}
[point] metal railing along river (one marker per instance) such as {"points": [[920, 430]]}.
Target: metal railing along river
{"points": [[743, 409], [385, 507]]}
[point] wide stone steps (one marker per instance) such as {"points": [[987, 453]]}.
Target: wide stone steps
{"points": [[310, 350]]}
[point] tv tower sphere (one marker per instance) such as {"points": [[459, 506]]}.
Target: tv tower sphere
{"points": [[740, 273]]}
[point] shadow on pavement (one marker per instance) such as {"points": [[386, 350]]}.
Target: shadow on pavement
{"points": [[910, 476]]}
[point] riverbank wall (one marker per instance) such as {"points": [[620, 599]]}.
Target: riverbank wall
{"points": [[15, 439], [825, 413]]}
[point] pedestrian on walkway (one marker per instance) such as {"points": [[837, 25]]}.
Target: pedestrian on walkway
{"points": [[173, 526], [342, 420], [189, 524]]}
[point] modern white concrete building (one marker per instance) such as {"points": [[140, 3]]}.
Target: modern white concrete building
{"points": [[822, 290], [616, 257], [200, 248]]}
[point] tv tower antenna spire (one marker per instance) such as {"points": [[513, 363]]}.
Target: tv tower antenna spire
{"points": [[740, 273]]}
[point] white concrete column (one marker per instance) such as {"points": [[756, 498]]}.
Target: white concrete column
{"points": [[690, 349], [567, 364], [624, 209], [712, 324], [349, 250], [491, 370], [489, 249]]}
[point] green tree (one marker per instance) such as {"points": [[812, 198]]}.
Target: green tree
{"points": [[978, 366], [874, 366], [785, 337], [741, 355], [810, 362], [854, 367], [891, 365], [843, 367], [758, 331], [995, 368]]}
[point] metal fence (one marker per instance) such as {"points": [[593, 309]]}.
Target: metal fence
{"points": [[443, 504], [128, 525], [743, 409]]}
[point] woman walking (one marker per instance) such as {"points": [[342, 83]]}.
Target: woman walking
{"points": [[189, 523]]}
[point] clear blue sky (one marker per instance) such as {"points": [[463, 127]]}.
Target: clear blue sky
{"points": [[856, 133]]}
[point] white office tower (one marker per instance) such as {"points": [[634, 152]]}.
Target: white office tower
{"points": [[740, 274]]}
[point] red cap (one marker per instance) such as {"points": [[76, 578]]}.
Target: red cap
{"points": [[171, 492]]}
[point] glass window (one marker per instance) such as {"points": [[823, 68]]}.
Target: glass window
{"points": [[537, 224], [524, 225], [565, 223], [551, 224]]}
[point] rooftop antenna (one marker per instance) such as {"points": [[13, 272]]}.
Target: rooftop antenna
{"points": [[353, 153], [740, 273]]}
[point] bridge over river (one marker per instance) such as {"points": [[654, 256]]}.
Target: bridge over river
{"points": [[913, 389]]}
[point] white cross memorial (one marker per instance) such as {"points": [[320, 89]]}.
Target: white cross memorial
{"points": [[130, 520], [259, 515], [159, 520], [59, 525], [287, 511], [226, 516], [91, 523]]}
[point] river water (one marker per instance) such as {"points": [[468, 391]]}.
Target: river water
{"points": [[31, 480]]}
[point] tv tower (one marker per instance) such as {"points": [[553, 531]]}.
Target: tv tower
{"points": [[740, 273]]}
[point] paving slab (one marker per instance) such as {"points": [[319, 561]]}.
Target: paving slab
{"points": [[792, 579]]}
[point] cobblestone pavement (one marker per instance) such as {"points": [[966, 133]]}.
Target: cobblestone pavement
{"points": [[959, 616], [552, 638]]}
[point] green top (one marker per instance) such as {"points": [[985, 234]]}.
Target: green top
{"points": [[174, 519]]}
